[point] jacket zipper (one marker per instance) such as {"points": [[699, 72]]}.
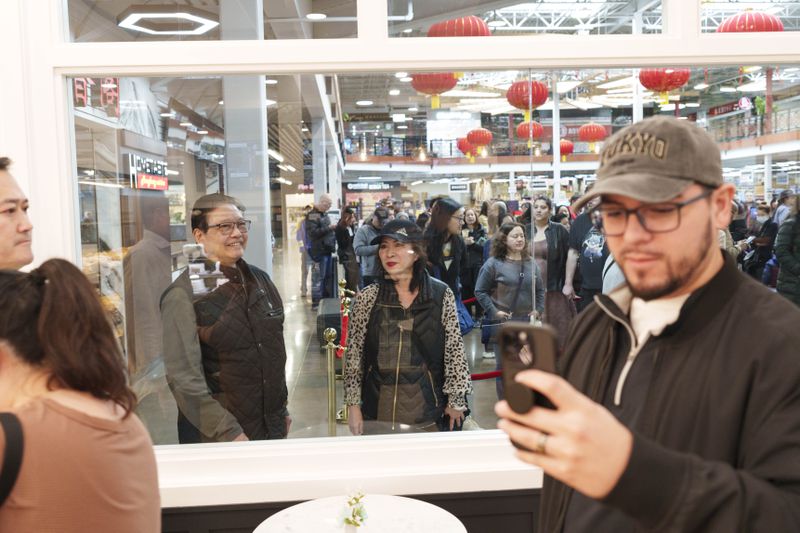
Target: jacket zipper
{"points": [[631, 353], [397, 372], [433, 389]]}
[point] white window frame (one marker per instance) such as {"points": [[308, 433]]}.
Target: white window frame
{"points": [[36, 130]]}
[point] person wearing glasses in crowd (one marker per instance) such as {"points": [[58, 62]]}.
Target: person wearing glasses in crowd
{"points": [[447, 254], [677, 406], [223, 335]]}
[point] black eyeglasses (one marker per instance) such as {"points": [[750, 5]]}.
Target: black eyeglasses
{"points": [[460, 219], [226, 228], [658, 218]]}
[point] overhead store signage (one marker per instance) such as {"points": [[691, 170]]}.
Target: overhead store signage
{"points": [[147, 173], [372, 186], [459, 187], [723, 109], [98, 93]]}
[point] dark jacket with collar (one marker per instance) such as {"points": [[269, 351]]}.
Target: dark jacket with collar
{"points": [[321, 235], [717, 443], [557, 250], [225, 354], [787, 250]]}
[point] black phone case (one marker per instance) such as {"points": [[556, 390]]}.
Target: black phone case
{"points": [[543, 346]]}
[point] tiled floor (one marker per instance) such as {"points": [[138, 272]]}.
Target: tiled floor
{"points": [[306, 370]]}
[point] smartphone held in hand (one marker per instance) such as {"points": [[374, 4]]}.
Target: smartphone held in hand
{"points": [[522, 347]]}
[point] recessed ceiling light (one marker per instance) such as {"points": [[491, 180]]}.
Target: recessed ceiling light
{"points": [[406, 79], [165, 20], [399, 75], [394, 92], [497, 23], [403, 127], [270, 81], [221, 102], [364, 102], [408, 30], [316, 16], [202, 132]]}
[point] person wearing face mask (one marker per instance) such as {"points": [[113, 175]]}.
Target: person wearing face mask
{"points": [[505, 285], [405, 367], [762, 245], [223, 336]]}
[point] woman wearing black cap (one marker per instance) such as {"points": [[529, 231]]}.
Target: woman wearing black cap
{"points": [[405, 363]]}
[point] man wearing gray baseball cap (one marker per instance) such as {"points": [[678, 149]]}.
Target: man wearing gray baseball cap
{"points": [[677, 405]]}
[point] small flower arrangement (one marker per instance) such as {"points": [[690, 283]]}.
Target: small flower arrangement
{"points": [[355, 514]]}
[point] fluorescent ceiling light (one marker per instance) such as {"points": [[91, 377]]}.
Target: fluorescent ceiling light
{"points": [[167, 115], [753, 86], [566, 86], [370, 178], [394, 92], [290, 168], [399, 117], [202, 132], [413, 109], [418, 182], [304, 129], [791, 69], [399, 75], [725, 89], [96, 184], [700, 86], [108, 85], [692, 104], [172, 172], [364, 102], [274, 154], [751, 69], [316, 16], [221, 102], [497, 23], [268, 102], [408, 30], [151, 20], [186, 124], [459, 93], [403, 127], [271, 81], [406, 79]]}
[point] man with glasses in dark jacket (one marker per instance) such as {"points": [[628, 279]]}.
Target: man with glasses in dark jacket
{"points": [[223, 335], [678, 407]]}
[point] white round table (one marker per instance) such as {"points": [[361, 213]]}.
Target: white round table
{"points": [[385, 514]]}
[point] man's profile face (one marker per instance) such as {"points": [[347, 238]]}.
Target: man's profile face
{"points": [[227, 249], [15, 226], [659, 264]]}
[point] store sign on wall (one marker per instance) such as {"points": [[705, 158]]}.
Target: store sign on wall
{"points": [[371, 186], [147, 173], [723, 109], [99, 93], [459, 187]]}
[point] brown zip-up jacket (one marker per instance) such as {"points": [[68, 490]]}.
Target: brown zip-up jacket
{"points": [[718, 443]]}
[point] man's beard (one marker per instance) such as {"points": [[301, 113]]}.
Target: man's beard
{"points": [[680, 276]]}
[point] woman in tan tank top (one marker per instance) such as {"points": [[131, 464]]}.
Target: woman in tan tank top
{"points": [[87, 462]]}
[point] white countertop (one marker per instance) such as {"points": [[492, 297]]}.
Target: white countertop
{"points": [[304, 469]]}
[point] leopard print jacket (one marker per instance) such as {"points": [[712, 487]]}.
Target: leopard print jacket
{"points": [[457, 382]]}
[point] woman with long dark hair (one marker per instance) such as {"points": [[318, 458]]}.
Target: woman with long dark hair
{"points": [[345, 231], [87, 461], [505, 284], [405, 365], [444, 246], [474, 235], [550, 242]]}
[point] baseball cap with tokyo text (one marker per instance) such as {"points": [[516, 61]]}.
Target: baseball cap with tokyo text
{"points": [[655, 160]]}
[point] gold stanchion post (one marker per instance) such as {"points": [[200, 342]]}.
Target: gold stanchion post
{"points": [[330, 351]]}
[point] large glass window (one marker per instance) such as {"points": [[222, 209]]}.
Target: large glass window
{"points": [[149, 147], [752, 16], [170, 20]]}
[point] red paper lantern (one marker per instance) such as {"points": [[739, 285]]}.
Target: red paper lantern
{"points": [[479, 137], [663, 80], [591, 133], [530, 130], [566, 148], [748, 21], [527, 95], [433, 84], [465, 147], [471, 26]]}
